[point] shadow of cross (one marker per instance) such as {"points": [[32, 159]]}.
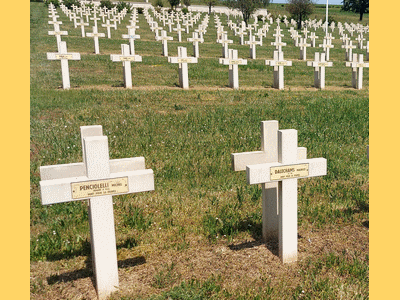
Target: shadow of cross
{"points": [[97, 178], [285, 173]]}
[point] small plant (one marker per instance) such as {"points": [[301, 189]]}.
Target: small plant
{"points": [[106, 3], [185, 10], [165, 277], [121, 5], [140, 11], [159, 3], [69, 3], [56, 3]]}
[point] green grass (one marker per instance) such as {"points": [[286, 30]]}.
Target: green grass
{"points": [[199, 205]]}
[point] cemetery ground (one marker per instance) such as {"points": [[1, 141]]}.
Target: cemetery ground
{"points": [[198, 234]]}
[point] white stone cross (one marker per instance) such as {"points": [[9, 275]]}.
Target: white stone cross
{"points": [[305, 32], [349, 50], [313, 37], [108, 25], [64, 56], [95, 35], [252, 42], [58, 35], [56, 24], [201, 30], [268, 154], [295, 37], [360, 39], [278, 63], [75, 17], [224, 41], [164, 40], [82, 24], [357, 64], [233, 61], [319, 65], [179, 30], [95, 19], [220, 32], [366, 47], [303, 48], [286, 172], [260, 34], [98, 179], [183, 61], [241, 34], [278, 44], [170, 23], [326, 46], [131, 36], [195, 40], [127, 57]]}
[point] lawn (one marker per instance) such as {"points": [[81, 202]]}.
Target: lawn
{"points": [[198, 234]]}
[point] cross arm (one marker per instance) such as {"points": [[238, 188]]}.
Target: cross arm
{"points": [[230, 61], [58, 56], [64, 190], [274, 63], [305, 168], [241, 160], [118, 57], [58, 32], [78, 169], [179, 60]]}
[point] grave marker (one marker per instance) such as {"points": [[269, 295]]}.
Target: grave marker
{"points": [[164, 40], [95, 35], [252, 43], [64, 56], [233, 61], [195, 40], [278, 63], [98, 179], [224, 42], [319, 65], [303, 48], [127, 57], [286, 172], [357, 65], [108, 25], [131, 36], [268, 154], [183, 61]]}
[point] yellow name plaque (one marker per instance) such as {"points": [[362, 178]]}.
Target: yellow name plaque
{"points": [[127, 58], [235, 62], [184, 60], [281, 63], [63, 56], [95, 188], [323, 64], [290, 171]]}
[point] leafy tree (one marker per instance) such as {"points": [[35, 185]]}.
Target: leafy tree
{"points": [[300, 10], [210, 4], [357, 6], [186, 2], [247, 7], [173, 3]]}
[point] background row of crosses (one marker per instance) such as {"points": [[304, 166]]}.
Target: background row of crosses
{"points": [[229, 56], [327, 43]]}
